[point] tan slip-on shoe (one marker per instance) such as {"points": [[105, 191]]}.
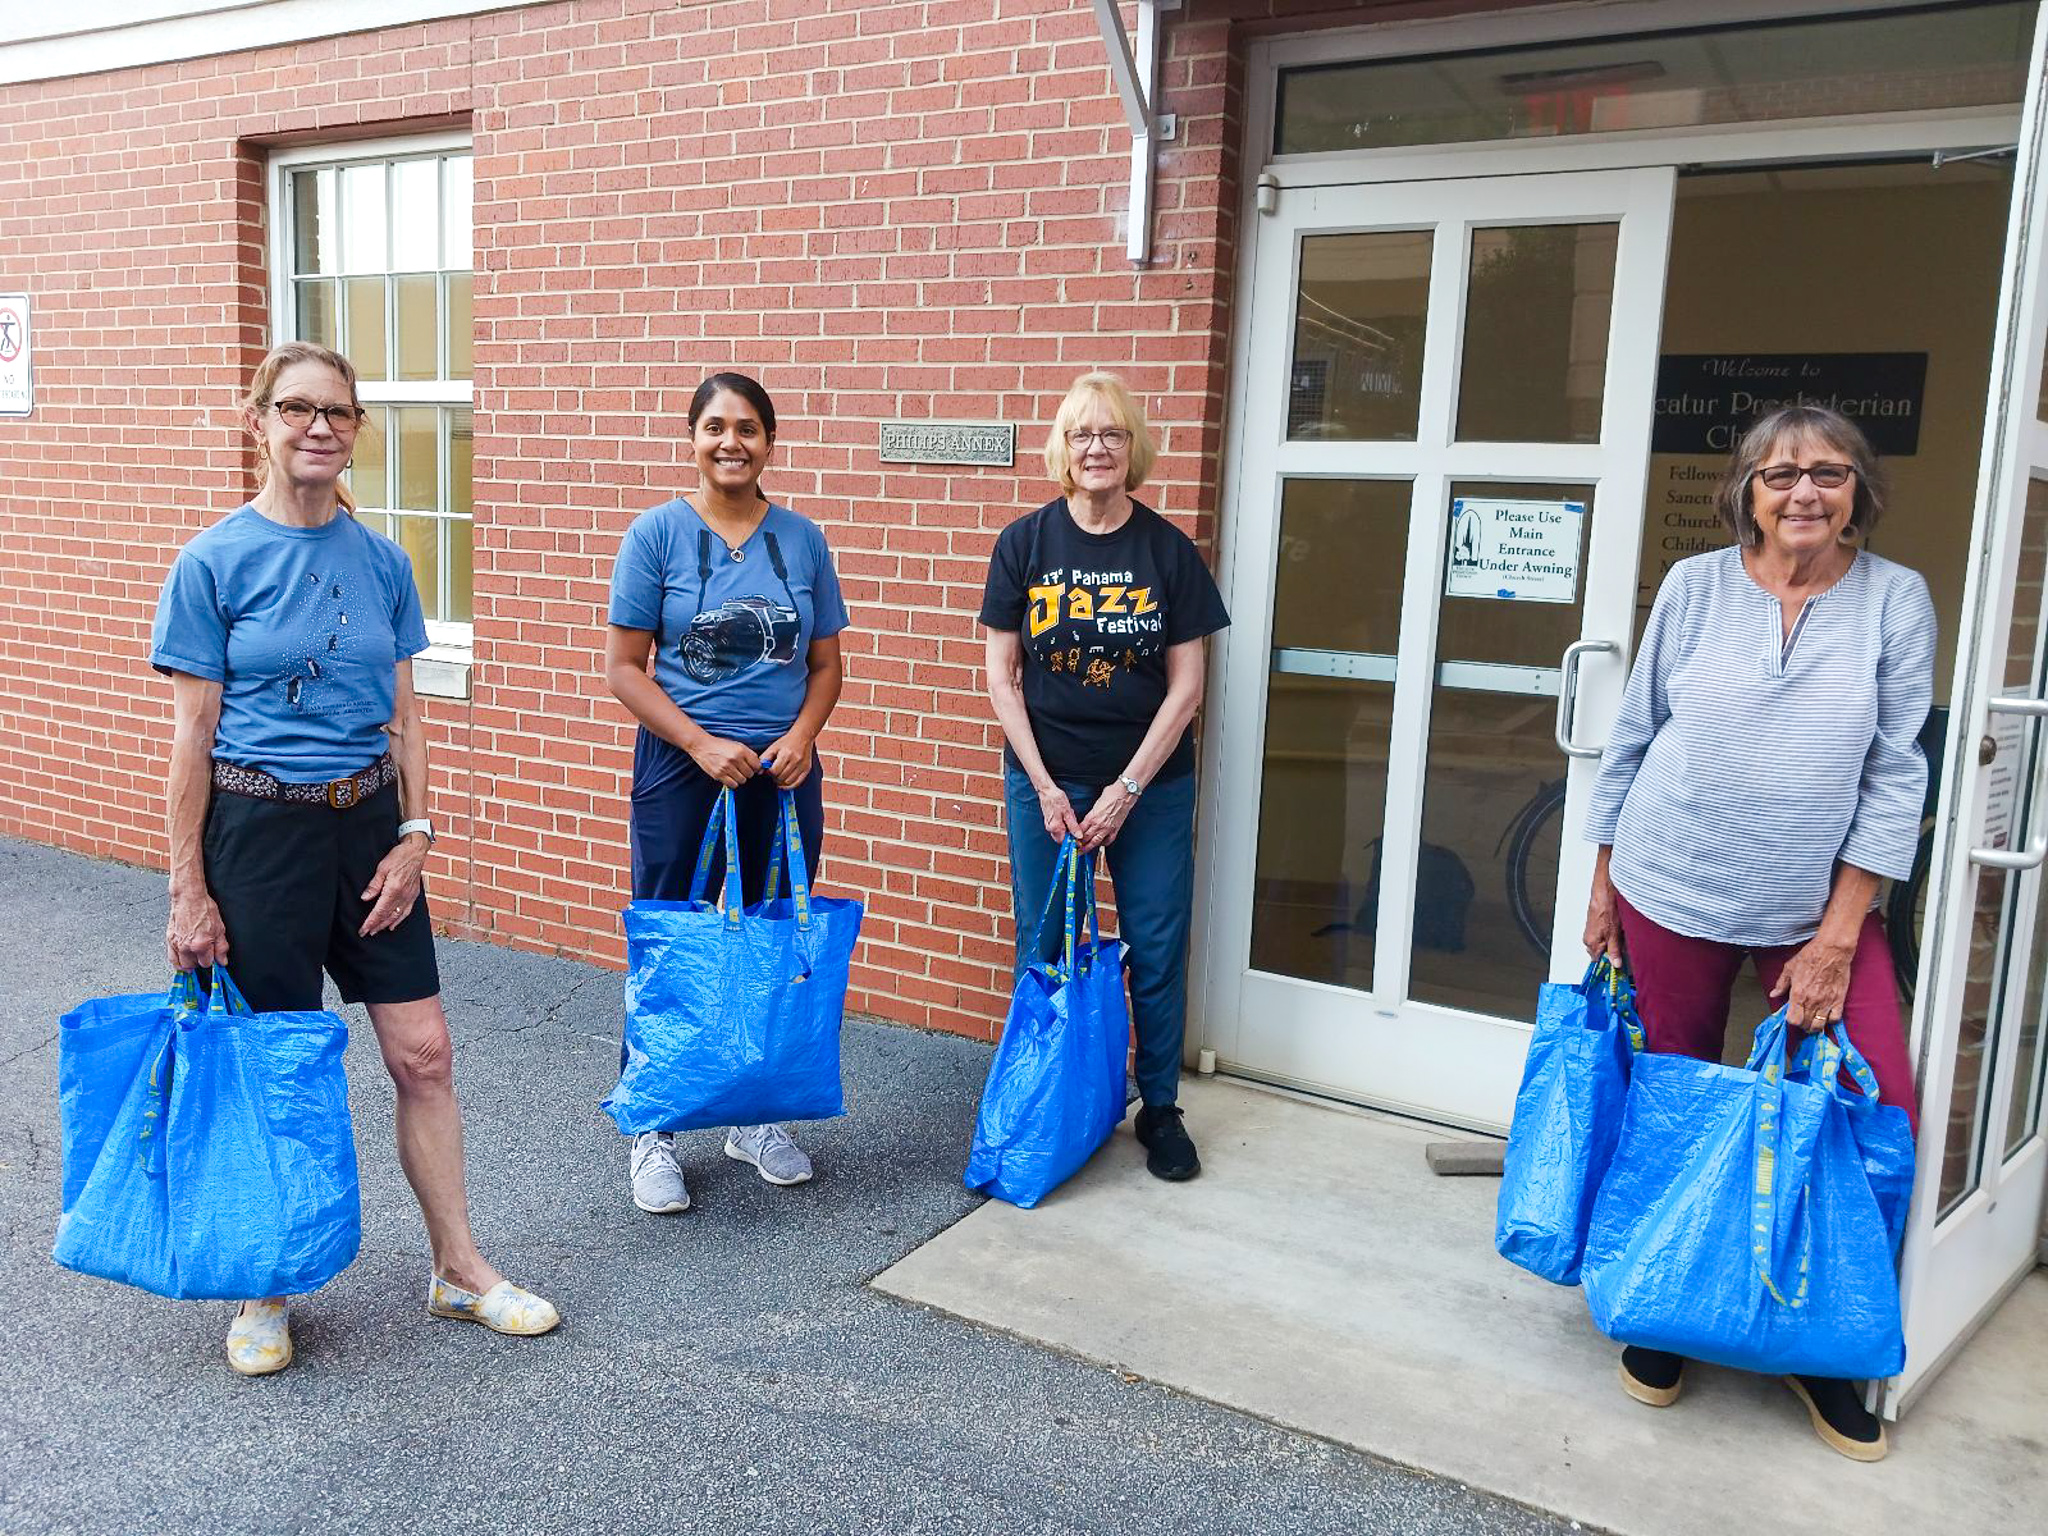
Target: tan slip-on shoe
{"points": [[259, 1339], [504, 1308]]}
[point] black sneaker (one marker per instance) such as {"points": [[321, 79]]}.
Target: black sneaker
{"points": [[1652, 1376], [1169, 1154], [1839, 1417]]}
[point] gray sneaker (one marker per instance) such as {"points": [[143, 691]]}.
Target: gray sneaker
{"points": [[657, 1176], [769, 1149]]}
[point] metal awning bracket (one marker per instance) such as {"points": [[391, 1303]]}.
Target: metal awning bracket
{"points": [[1137, 85]]}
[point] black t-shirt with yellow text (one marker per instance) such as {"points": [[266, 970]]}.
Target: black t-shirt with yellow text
{"points": [[1096, 613]]}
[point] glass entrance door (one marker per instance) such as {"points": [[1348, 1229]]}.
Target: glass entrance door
{"points": [[1446, 435], [1982, 1041]]}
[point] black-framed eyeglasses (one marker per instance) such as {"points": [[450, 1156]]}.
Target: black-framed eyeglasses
{"points": [[299, 414], [1826, 477], [1112, 438]]}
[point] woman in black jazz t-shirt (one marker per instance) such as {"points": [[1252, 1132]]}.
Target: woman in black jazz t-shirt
{"points": [[1096, 608]]}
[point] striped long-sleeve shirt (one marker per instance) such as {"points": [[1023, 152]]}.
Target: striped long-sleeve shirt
{"points": [[1746, 764]]}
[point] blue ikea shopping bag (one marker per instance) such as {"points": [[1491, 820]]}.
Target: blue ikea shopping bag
{"points": [[1750, 1215], [208, 1150], [733, 1013], [1567, 1119], [1056, 1088]]}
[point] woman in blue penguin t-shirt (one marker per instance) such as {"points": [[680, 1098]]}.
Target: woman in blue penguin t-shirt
{"points": [[738, 603], [297, 799]]}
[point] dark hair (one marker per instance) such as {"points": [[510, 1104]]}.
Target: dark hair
{"points": [[747, 389], [1797, 421]]}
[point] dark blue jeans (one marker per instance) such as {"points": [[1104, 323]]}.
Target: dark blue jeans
{"points": [[1152, 865]]}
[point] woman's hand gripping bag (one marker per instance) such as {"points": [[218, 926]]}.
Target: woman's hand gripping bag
{"points": [[733, 1013], [1567, 1120], [1749, 1217], [1055, 1090], [209, 1151]]}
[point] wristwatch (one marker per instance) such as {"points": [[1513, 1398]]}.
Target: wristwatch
{"points": [[417, 824], [1131, 786]]}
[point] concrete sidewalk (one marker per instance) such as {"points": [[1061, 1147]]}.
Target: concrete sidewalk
{"points": [[1319, 1276], [726, 1370]]}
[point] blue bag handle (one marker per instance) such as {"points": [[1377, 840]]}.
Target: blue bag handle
{"points": [[1621, 997], [773, 888], [725, 819], [1074, 876], [789, 840], [1768, 1059], [223, 1000]]}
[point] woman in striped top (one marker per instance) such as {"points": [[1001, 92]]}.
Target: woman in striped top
{"points": [[1763, 777]]}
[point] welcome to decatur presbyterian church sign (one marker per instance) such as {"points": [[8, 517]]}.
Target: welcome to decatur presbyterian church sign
{"points": [[1705, 401]]}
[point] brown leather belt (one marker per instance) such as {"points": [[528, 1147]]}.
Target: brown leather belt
{"points": [[340, 794]]}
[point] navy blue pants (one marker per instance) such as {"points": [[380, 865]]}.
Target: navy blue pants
{"points": [[672, 801], [1152, 865]]}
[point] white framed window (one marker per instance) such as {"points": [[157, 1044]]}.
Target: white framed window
{"points": [[372, 255]]}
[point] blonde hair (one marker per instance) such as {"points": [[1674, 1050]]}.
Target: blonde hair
{"points": [[1126, 411], [283, 356]]}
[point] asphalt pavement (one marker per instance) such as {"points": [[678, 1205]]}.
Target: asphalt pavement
{"points": [[726, 1370]]}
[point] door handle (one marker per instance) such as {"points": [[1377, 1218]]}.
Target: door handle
{"points": [[2036, 851], [1568, 692]]}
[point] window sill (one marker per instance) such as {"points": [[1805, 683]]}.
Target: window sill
{"points": [[441, 671]]}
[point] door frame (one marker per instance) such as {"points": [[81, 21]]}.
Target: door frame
{"points": [[1940, 1304], [1268, 176], [1457, 1064]]}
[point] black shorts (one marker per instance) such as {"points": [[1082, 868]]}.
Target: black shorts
{"points": [[289, 880]]}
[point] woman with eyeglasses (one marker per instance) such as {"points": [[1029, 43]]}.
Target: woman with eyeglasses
{"points": [[737, 601], [1763, 777], [1096, 608], [298, 798]]}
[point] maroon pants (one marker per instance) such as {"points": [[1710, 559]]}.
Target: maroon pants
{"points": [[1683, 987]]}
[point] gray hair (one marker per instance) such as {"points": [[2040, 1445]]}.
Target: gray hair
{"points": [[1801, 421]]}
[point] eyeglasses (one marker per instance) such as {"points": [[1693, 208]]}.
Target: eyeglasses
{"points": [[1111, 438], [1825, 477], [299, 414]]}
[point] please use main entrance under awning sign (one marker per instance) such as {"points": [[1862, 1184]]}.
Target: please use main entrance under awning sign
{"points": [[1522, 551]]}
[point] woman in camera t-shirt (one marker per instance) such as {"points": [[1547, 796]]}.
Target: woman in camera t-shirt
{"points": [[737, 601]]}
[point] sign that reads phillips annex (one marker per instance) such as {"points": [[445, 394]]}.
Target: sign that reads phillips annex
{"points": [[1704, 401], [949, 442]]}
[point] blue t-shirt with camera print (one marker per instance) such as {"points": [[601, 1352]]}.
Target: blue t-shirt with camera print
{"points": [[732, 627]]}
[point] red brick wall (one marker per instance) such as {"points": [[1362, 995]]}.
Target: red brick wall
{"points": [[882, 211]]}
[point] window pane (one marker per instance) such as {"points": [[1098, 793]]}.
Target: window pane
{"points": [[316, 312], [418, 327], [364, 342], [312, 221], [415, 216], [366, 477], [377, 522], [461, 323], [1356, 371], [1972, 56], [1329, 711], [457, 248], [1536, 321], [419, 457], [461, 456], [461, 534], [362, 218], [1493, 802], [421, 539]]}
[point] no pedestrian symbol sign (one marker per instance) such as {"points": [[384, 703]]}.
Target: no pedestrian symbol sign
{"points": [[17, 387]]}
